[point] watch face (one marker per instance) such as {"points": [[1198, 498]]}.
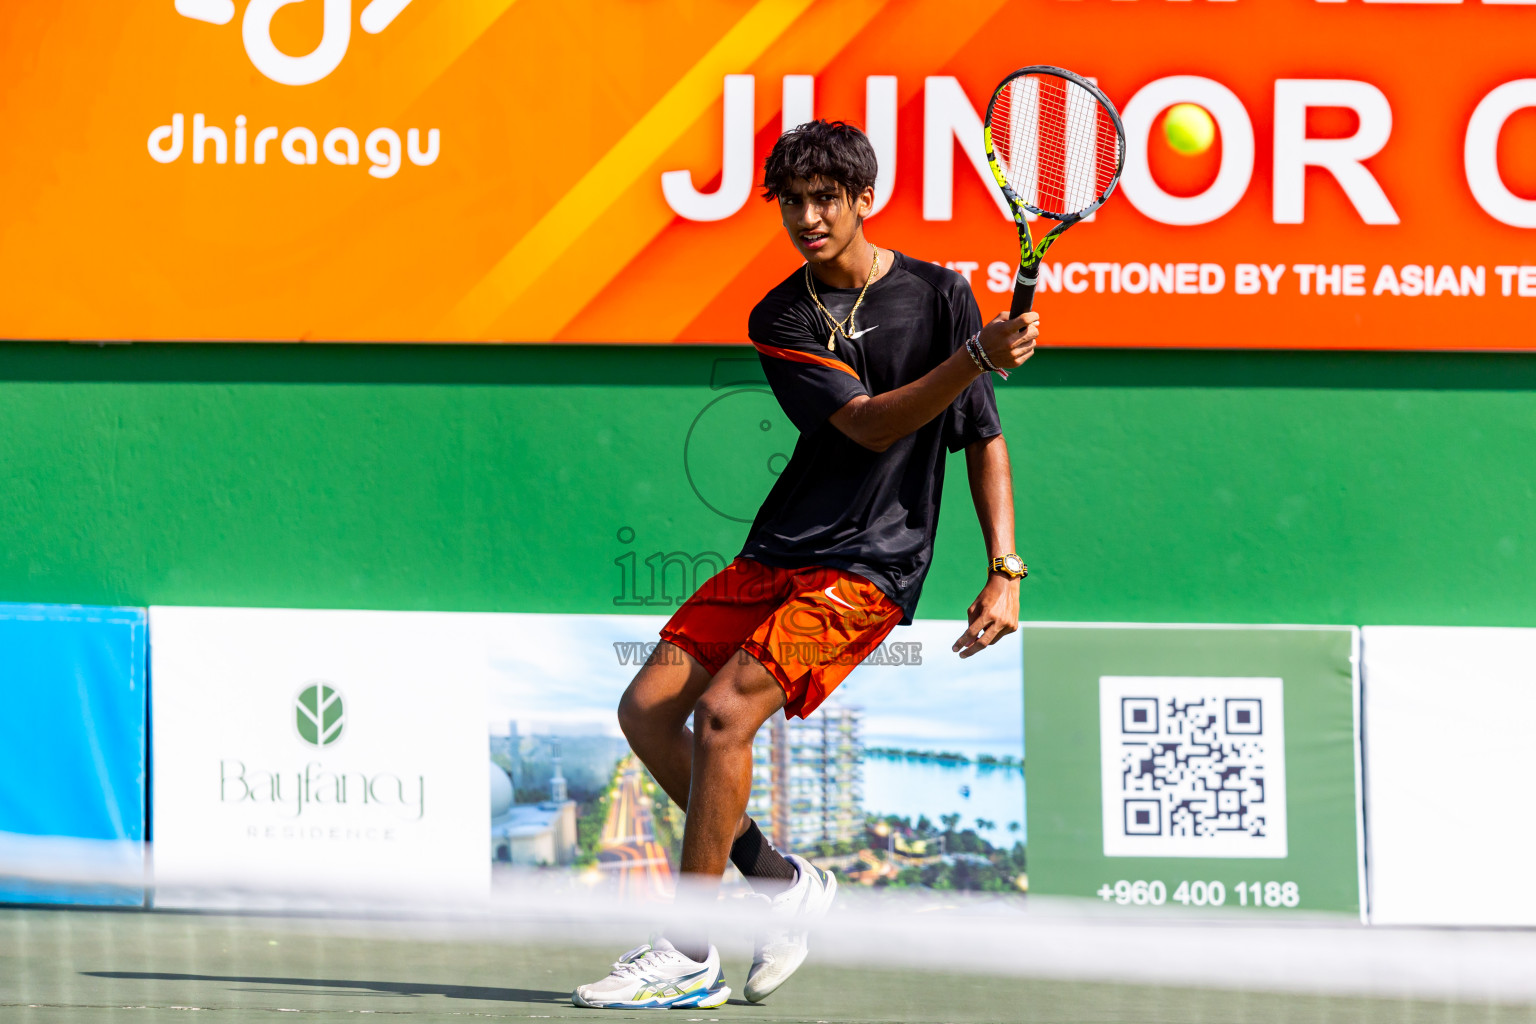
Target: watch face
{"points": [[1014, 563]]}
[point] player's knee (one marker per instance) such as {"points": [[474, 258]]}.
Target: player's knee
{"points": [[721, 718], [638, 717]]}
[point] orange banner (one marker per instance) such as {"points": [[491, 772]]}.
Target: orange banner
{"points": [[548, 170]]}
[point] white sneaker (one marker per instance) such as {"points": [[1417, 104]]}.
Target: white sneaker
{"points": [[656, 976], [781, 949]]}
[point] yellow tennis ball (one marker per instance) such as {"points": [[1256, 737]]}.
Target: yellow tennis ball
{"points": [[1189, 129]]}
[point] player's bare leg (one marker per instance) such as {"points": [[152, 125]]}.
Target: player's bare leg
{"points": [[654, 714], [738, 700], [693, 767], [735, 704]]}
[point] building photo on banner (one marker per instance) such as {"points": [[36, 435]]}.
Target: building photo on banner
{"points": [[376, 185], [892, 783]]}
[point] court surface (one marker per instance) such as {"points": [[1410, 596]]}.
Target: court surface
{"points": [[96, 966]]}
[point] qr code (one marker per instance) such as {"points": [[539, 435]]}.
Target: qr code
{"points": [[1192, 766]]}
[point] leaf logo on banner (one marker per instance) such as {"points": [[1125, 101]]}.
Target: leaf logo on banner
{"points": [[318, 714]]}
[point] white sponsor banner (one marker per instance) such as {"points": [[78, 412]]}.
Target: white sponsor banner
{"points": [[330, 754], [1449, 773]]}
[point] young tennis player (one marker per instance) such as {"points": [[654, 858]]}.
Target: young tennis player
{"points": [[882, 363]]}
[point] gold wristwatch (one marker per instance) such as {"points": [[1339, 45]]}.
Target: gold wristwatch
{"points": [[1011, 566]]}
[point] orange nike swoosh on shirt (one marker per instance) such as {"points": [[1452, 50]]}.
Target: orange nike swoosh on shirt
{"points": [[796, 356]]}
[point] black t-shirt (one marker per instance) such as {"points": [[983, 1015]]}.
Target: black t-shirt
{"points": [[837, 503]]}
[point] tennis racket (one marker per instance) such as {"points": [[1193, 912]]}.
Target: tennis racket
{"points": [[1056, 147]]}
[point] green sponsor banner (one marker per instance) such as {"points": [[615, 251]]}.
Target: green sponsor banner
{"points": [[1196, 766]]}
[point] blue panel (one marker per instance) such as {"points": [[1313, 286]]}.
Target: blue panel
{"points": [[72, 750]]}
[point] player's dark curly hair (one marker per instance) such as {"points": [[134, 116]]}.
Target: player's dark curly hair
{"points": [[833, 150]]}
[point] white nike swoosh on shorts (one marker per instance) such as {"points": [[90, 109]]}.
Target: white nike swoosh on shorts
{"points": [[833, 597], [860, 334]]}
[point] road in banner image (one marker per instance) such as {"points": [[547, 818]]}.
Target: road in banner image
{"points": [[629, 848], [909, 786]]}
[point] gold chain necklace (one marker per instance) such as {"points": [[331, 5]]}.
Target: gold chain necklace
{"points": [[845, 325]]}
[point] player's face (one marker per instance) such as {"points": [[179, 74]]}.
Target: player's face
{"points": [[822, 218]]}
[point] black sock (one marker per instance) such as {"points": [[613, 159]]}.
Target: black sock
{"points": [[765, 868]]}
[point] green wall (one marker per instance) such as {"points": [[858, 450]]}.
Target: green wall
{"points": [[1157, 486]]}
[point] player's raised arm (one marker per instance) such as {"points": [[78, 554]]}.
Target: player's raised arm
{"points": [[879, 421]]}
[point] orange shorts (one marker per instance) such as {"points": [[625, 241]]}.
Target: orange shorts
{"points": [[809, 627]]}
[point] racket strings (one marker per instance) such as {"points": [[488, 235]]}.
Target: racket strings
{"points": [[1055, 143]]}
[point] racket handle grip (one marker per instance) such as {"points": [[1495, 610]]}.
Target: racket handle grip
{"points": [[1024, 291]]}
